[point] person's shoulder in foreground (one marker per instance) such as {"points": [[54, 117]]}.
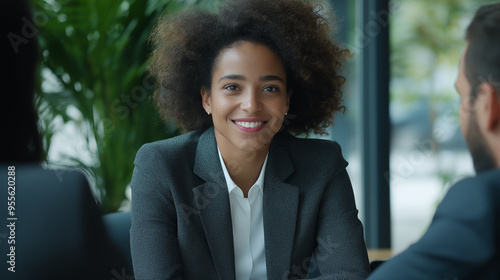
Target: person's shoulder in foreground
{"points": [[55, 227], [461, 242]]}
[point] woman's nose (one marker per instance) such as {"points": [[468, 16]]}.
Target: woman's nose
{"points": [[251, 102]]}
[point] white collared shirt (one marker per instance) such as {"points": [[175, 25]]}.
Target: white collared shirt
{"points": [[248, 227]]}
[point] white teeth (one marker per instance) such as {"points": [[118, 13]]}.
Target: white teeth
{"points": [[249, 124]]}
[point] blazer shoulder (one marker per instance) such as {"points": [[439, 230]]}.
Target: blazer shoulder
{"points": [[490, 178], [172, 148], [319, 152], [486, 182], [473, 197]]}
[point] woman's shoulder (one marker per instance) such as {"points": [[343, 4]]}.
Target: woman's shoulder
{"points": [[173, 147], [311, 145], [320, 151]]}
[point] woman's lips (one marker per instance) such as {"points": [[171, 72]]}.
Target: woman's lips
{"points": [[249, 125]]}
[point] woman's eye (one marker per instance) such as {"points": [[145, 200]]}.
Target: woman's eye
{"points": [[271, 89], [231, 87]]}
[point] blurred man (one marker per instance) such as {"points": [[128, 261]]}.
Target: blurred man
{"points": [[463, 240]]}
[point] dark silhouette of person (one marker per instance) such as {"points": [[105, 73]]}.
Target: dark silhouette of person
{"points": [[50, 224]]}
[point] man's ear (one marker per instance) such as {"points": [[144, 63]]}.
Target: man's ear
{"points": [[488, 109], [494, 119], [491, 106], [206, 100]]}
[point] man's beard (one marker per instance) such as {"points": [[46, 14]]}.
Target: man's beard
{"points": [[482, 157]]}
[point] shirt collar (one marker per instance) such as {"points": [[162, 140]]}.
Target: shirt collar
{"points": [[230, 183]]}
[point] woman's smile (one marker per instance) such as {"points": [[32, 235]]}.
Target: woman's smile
{"points": [[249, 125]]}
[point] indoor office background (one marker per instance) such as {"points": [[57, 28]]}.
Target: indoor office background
{"points": [[400, 132]]}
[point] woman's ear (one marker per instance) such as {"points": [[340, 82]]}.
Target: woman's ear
{"points": [[206, 99]]}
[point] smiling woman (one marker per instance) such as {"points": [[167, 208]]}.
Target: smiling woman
{"points": [[238, 196], [248, 100]]}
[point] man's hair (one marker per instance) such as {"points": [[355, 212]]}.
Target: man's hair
{"points": [[186, 45], [482, 59]]}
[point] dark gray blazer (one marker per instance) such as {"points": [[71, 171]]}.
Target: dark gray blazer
{"points": [[463, 240], [181, 219]]}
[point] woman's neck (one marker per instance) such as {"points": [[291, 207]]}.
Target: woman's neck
{"points": [[244, 167]]}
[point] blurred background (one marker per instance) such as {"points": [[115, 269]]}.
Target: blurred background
{"points": [[93, 96]]}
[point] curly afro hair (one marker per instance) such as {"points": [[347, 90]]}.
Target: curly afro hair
{"points": [[185, 46]]}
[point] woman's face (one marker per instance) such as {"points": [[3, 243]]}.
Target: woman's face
{"points": [[248, 97]]}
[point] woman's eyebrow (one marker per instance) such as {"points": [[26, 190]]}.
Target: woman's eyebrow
{"points": [[268, 78], [232, 77]]}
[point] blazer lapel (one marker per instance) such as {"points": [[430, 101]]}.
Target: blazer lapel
{"points": [[212, 201], [280, 208]]}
